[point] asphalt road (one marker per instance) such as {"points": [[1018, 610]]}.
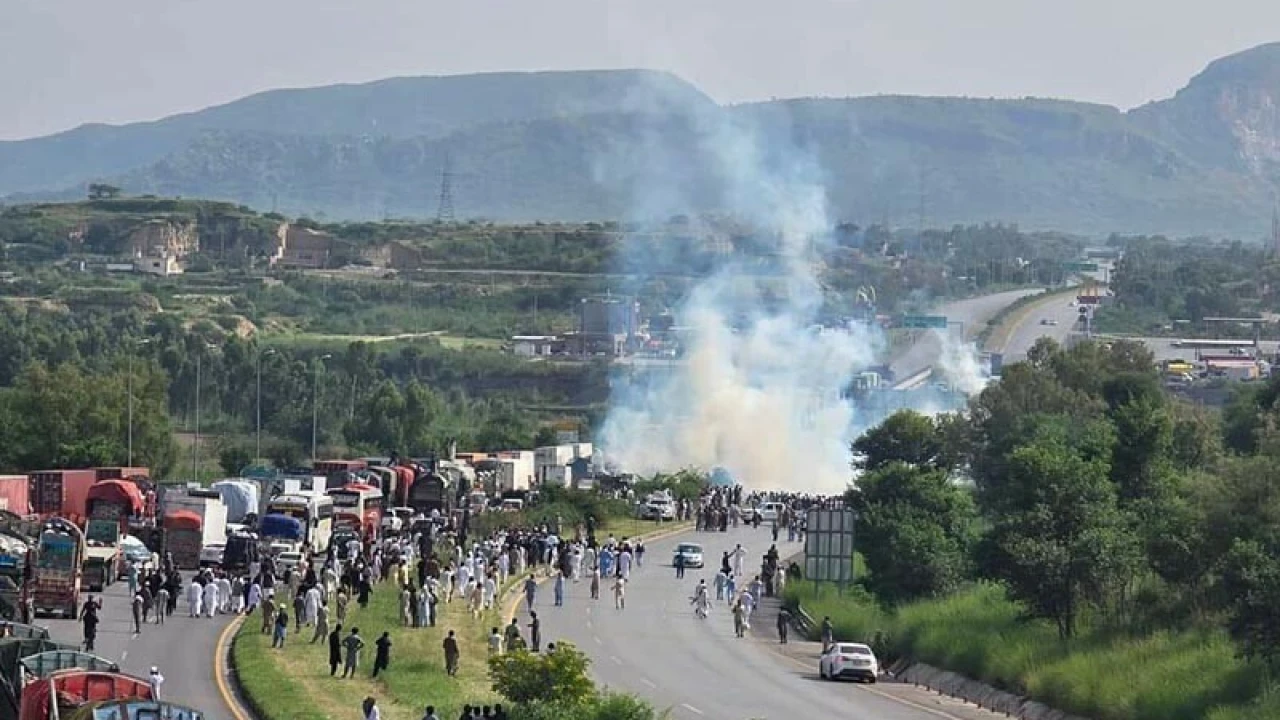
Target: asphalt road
{"points": [[182, 649], [1059, 310], [974, 313], [697, 668]]}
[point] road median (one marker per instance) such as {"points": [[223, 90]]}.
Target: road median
{"points": [[1002, 327]]}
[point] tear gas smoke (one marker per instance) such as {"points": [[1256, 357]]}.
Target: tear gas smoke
{"points": [[760, 391]]}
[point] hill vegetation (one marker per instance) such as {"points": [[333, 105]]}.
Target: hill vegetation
{"points": [[618, 144]]}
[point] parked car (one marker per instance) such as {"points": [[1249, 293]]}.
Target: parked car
{"points": [[692, 553], [211, 555], [854, 660], [769, 511]]}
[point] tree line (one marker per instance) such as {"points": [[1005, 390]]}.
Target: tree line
{"points": [[1085, 491]]}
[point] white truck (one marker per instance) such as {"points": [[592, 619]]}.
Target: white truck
{"points": [[193, 522]]}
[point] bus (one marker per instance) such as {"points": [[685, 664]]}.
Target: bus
{"points": [[313, 510], [357, 505]]}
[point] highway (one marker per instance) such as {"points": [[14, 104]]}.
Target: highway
{"points": [[973, 312], [657, 648], [1024, 336], [182, 649]]}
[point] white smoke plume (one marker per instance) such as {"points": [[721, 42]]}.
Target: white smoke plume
{"points": [[759, 389], [959, 365], [759, 392]]}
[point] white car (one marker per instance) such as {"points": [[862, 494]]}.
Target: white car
{"points": [[769, 511], [290, 559], [211, 555], [396, 520], [692, 554], [854, 660]]}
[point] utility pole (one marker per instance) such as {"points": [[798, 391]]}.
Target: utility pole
{"points": [[195, 444], [269, 351], [140, 343], [444, 211], [315, 406]]}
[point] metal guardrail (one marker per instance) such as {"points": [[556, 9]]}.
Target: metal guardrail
{"points": [[803, 621], [914, 381]]}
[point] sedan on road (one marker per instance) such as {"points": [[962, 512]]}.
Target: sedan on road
{"points": [[854, 660], [692, 554]]}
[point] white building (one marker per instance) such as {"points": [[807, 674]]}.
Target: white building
{"points": [[533, 345]]}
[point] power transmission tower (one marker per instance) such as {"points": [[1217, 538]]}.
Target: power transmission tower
{"points": [[444, 213]]}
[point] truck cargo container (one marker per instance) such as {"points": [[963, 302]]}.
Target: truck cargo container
{"points": [[61, 493], [58, 568], [240, 496], [192, 522], [121, 473], [61, 693], [15, 494]]}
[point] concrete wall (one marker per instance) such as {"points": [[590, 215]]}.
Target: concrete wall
{"points": [[985, 696]]}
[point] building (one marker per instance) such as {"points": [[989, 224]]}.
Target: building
{"points": [[304, 248], [162, 265], [609, 315], [536, 345]]}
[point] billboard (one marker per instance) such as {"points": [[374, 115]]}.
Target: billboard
{"points": [[828, 546]]}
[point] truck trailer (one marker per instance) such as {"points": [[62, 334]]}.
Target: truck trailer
{"points": [[191, 523], [61, 493]]}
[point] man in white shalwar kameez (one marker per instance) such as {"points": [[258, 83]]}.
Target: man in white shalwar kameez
{"points": [[210, 598], [193, 598], [312, 604], [224, 594]]}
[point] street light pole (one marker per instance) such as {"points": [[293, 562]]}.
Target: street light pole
{"points": [[195, 444], [268, 352], [315, 407], [129, 381]]}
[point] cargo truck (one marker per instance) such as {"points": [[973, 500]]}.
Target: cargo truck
{"points": [[58, 567], [111, 506], [15, 494], [191, 526], [61, 493]]}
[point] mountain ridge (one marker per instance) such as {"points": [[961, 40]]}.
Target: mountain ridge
{"points": [[603, 144]]}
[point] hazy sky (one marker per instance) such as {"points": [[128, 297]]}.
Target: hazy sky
{"points": [[67, 62]]}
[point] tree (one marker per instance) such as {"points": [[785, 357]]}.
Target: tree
{"points": [[1251, 576], [102, 191], [915, 531], [233, 456], [1058, 539], [559, 676], [905, 436]]}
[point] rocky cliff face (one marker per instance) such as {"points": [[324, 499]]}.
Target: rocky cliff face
{"points": [[172, 237]]}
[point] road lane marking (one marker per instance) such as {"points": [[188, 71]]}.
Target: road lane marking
{"points": [[648, 682], [220, 671], [597, 639], [616, 660], [691, 708], [589, 624], [124, 655]]}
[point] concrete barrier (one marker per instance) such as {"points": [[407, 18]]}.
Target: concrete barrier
{"points": [[980, 694]]}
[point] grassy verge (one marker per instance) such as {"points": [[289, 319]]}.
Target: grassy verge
{"points": [[995, 336], [1101, 674], [294, 683]]}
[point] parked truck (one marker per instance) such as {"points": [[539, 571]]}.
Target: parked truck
{"points": [[111, 506], [61, 493], [191, 526], [15, 494], [58, 568]]}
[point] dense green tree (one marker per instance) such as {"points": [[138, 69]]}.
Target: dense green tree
{"points": [[915, 531], [1058, 538], [905, 436], [1251, 578]]}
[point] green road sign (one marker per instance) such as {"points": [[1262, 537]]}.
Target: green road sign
{"points": [[924, 321], [1080, 267]]}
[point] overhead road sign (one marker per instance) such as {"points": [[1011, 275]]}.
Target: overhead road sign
{"points": [[1080, 267], [924, 322]]}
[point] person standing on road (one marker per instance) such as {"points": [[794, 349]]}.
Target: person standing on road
{"points": [[559, 589], [679, 563], [620, 593], [210, 598], [828, 633], [335, 649], [353, 643], [451, 654], [639, 553], [784, 621], [137, 604], [595, 583], [162, 604], [530, 591], [89, 616], [155, 679], [382, 653], [322, 623], [194, 593]]}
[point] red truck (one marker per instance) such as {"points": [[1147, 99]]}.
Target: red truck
{"points": [[61, 493], [110, 505], [15, 494]]}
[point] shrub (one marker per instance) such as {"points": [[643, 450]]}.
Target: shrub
{"points": [[556, 677]]}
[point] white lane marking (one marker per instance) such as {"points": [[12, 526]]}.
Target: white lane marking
{"points": [[648, 682], [597, 639], [691, 708], [616, 660], [124, 655], [588, 623]]}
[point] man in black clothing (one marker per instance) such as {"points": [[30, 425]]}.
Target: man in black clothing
{"points": [[335, 649], [382, 653]]}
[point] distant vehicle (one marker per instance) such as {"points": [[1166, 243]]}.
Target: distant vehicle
{"points": [[512, 505], [1048, 321], [137, 553], [211, 555], [769, 511], [692, 554], [291, 558], [658, 509], [397, 519], [854, 660]]}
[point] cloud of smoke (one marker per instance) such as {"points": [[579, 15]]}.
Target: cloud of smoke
{"points": [[959, 365], [760, 391]]}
